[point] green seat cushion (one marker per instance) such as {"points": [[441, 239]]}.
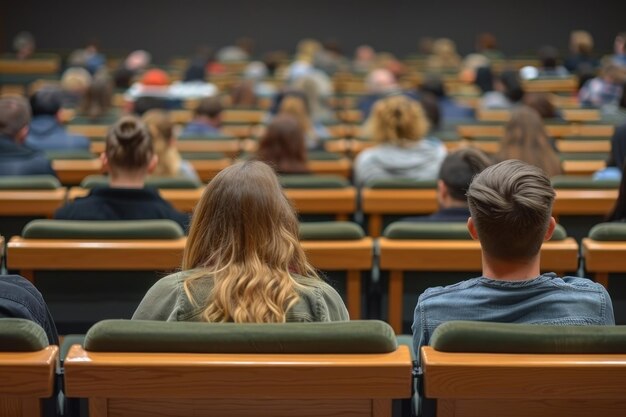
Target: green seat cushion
{"points": [[102, 229], [584, 156], [323, 156], [401, 183], [29, 182], [425, 230], [608, 232], [443, 231], [473, 336], [331, 231], [582, 182], [93, 181], [200, 156], [70, 154], [313, 181], [368, 336], [20, 335]]}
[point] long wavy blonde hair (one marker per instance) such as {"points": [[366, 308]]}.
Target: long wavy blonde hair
{"points": [[161, 130], [244, 236], [398, 120]]}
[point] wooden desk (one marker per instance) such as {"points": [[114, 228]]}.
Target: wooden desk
{"points": [[554, 85], [398, 256], [25, 379], [209, 168], [472, 131], [184, 384], [340, 202], [36, 203], [71, 172], [584, 202], [571, 115], [378, 202], [603, 258], [521, 385], [571, 167]]}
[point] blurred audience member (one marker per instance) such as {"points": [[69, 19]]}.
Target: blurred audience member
{"points": [[283, 146], [24, 45], [444, 56], [207, 119], [46, 131], [15, 157], [88, 57], [450, 110], [364, 59], [74, 83], [604, 90], [581, 59], [507, 92]]}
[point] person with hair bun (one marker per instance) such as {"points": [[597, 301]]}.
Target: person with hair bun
{"points": [[243, 262], [400, 127], [128, 157]]}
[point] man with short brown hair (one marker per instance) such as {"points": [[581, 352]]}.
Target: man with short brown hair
{"points": [[510, 205], [15, 157]]}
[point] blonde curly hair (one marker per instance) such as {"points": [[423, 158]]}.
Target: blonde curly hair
{"points": [[397, 120]]}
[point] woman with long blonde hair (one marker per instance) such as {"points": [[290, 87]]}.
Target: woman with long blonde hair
{"points": [[243, 262], [170, 163], [525, 138]]}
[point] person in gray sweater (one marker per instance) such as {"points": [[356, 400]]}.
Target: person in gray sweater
{"points": [[399, 126]]}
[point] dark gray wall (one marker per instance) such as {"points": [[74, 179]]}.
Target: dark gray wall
{"points": [[168, 27]]}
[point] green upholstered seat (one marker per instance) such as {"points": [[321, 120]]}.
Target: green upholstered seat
{"points": [[331, 231], [608, 232], [102, 229], [20, 335], [323, 156], [367, 336], [442, 231], [70, 154], [313, 181], [29, 182], [202, 156], [582, 182], [584, 156], [401, 183], [473, 336], [93, 181]]}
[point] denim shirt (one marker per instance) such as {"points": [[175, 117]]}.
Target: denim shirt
{"points": [[546, 299]]}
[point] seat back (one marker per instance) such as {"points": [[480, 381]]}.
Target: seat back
{"points": [[27, 366], [29, 182], [326, 369], [519, 370], [605, 252], [93, 181], [105, 229]]}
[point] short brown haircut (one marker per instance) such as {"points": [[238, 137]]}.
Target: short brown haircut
{"points": [[511, 204], [210, 107], [14, 115]]}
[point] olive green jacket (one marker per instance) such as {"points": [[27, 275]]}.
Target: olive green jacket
{"points": [[167, 300]]}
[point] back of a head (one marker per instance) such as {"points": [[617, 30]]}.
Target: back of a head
{"points": [[459, 168], [128, 146], [46, 102], [581, 42], [98, 97], [380, 80], [484, 79], [511, 205], [512, 86], [430, 104], [526, 139], [210, 107], [161, 131], [296, 106], [541, 103], [15, 115], [244, 234], [137, 60], [398, 120], [283, 146], [486, 42], [434, 85], [76, 80], [549, 56]]}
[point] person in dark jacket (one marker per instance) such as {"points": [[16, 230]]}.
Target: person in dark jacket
{"points": [[20, 299], [46, 131], [15, 157], [129, 158], [455, 176]]}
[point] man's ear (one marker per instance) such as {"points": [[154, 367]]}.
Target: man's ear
{"points": [[442, 191], [550, 230], [22, 134], [104, 161], [471, 227], [153, 164]]}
